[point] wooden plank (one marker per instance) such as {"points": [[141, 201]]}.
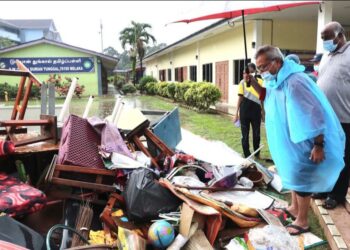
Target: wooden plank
{"points": [[6, 72], [32, 140], [185, 219], [85, 170], [25, 100], [18, 97], [22, 67], [81, 184], [141, 147], [10, 123]]}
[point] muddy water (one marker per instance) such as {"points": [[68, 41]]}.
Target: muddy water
{"points": [[101, 107]]}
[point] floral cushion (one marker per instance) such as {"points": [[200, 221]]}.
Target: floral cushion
{"points": [[18, 198]]}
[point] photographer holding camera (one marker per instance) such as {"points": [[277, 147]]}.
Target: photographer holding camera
{"points": [[248, 110]]}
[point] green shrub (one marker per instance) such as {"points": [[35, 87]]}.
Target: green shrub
{"points": [[144, 80], [171, 89], [162, 89], [180, 91], [207, 94], [128, 88], [119, 81], [12, 91], [191, 96], [150, 88]]}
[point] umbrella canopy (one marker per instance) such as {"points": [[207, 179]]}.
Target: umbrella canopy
{"points": [[235, 9]]}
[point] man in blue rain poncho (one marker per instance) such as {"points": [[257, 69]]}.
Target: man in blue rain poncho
{"points": [[305, 138]]}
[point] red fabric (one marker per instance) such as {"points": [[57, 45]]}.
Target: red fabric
{"points": [[251, 11], [262, 94], [18, 198]]}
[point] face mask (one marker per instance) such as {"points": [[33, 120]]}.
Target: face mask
{"points": [[267, 76], [316, 67], [329, 46]]}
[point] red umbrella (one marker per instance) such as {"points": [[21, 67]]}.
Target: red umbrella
{"points": [[238, 11]]}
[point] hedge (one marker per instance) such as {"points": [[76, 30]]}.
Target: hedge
{"points": [[143, 82], [12, 91], [198, 95], [128, 88]]}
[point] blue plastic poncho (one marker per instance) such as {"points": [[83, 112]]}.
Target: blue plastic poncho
{"points": [[296, 112]]}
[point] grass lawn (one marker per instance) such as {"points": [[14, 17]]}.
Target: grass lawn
{"points": [[220, 127]]}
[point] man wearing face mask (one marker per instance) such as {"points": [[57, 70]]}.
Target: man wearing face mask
{"points": [[304, 135], [334, 81], [316, 61]]}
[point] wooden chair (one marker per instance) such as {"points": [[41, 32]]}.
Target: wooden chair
{"points": [[143, 130], [48, 123]]}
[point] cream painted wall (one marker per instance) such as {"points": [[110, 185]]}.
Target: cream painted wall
{"points": [[228, 45], [295, 35], [288, 34], [225, 46]]}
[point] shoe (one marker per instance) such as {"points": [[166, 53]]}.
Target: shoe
{"points": [[318, 196], [299, 229], [331, 203]]}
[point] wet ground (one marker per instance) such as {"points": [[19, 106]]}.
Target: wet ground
{"points": [[101, 107]]}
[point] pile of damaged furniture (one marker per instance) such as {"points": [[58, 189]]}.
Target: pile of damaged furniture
{"points": [[133, 182]]}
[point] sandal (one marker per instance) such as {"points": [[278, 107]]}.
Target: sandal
{"points": [[330, 203], [319, 196], [285, 210], [299, 229]]}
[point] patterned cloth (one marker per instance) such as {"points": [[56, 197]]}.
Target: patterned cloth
{"points": [[18, 198]]}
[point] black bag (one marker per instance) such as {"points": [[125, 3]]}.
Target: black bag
{"points": [[145, 198]]}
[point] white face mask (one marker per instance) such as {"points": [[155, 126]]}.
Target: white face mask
{"points": [[329, 45], [267, 76]]}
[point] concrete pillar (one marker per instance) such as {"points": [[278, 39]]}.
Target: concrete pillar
{"points": [[325, 15], [257, 36], [172, 67], [199, 68], [99, 76]]}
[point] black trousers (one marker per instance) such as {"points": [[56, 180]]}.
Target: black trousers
{"points": [[341, 186], [250, 115]]}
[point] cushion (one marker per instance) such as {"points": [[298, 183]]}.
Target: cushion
{"points": [[18, 198]]}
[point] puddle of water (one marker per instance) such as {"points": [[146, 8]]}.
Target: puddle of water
{"points": [[101, 107]]}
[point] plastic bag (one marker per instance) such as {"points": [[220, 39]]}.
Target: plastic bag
{"points": [[145, 198], [272, 237]]}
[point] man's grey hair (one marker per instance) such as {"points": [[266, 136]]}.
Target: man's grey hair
{"points": [[271, 53], [336, 27]]}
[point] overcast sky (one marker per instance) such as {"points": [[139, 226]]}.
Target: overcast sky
{"points": [[79, 22]]}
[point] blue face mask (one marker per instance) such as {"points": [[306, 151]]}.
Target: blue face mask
{"points": [[329, 45], [267, 76], [316, 68]]}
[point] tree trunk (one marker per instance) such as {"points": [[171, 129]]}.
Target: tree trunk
{"points": [[141, 67], [134, 70]]}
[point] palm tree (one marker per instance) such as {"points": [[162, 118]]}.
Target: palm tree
{"points": [[137, 38]]}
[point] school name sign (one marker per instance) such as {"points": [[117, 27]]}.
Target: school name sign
{"points": [[43, 65]]}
